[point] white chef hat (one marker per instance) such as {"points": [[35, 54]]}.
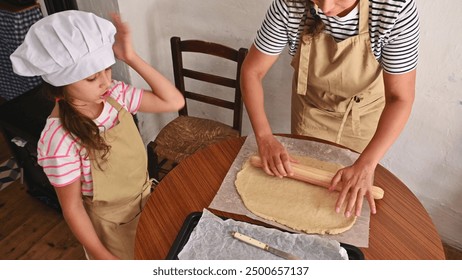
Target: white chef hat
{"points": [[65, 47]]}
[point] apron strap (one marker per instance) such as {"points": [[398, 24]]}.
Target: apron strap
{"points": [[114, 103], [304, 59], [355, 120], [363, 16], [302, 79]]}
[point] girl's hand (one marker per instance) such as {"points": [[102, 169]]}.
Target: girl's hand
{"points": [[123, 49], [275, 159], [355, 182]]}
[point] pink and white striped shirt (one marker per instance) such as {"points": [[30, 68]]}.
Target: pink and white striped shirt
{"points": [[62, 158]]}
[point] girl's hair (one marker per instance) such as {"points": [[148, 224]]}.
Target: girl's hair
{"points": [[81, 128], [314, 23]]}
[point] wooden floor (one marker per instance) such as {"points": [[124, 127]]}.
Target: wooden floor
{"points": [[31, 230]]}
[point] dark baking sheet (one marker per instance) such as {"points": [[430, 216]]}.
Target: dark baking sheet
{"points": [[354, 253]]}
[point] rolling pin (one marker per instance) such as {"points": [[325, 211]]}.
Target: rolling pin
{"points": [[314, 176]]}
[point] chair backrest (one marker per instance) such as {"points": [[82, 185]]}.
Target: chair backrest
{"points": [[179, 48]]}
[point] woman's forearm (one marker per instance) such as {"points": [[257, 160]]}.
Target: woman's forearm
{"points": [[392, 122], [254, 69], [252, 94], [400, 91]]}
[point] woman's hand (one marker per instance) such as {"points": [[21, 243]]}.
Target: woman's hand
{"points": [[123, 49], [275, 159], [355, 182]]}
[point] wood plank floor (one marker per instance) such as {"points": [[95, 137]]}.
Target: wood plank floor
{"points": [[31, 230]]}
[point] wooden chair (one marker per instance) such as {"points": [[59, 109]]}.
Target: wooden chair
{"points": [[187, 134]]}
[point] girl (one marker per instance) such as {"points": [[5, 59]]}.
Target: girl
{"points": [[90, 147]]}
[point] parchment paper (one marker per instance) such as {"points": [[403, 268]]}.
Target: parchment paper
{"points": [[211, 240], [228, 200]]}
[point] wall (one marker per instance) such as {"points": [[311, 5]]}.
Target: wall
{"points": [[228, 22], [426, 157]]}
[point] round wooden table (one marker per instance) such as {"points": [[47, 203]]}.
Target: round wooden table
{"points": [[401, 229]]}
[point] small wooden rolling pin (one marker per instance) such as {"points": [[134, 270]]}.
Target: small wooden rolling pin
{"points": [[314, 176]]}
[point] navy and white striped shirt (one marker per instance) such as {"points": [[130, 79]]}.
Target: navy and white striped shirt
{"points": [[393, 29]]}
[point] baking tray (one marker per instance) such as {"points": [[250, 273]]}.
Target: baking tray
{"points": [[354, 253]]}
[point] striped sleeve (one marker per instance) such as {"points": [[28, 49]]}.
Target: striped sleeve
{"points": [[127, 95], [58, 154], [393, 28], [400, 53], [279, 28]]}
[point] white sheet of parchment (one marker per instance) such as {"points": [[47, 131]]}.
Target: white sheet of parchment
{"points": [[228, 200]]}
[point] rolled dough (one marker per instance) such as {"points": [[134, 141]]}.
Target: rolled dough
{"points": [[297, 205]]}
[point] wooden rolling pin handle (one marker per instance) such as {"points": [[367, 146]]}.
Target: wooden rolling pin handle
{"points": [[315, 176]]}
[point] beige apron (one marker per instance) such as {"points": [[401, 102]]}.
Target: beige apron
{"points": [[121, 188], [338, 90]]}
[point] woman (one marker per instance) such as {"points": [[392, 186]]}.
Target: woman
{"points": [[354, 82]]}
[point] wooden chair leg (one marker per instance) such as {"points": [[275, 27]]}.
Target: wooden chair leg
{"points": [[153, 162], [157, 165], [163, 169]]}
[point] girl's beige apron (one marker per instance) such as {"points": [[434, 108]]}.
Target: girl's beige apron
{"points": [[121, 188], [338, 91]]}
